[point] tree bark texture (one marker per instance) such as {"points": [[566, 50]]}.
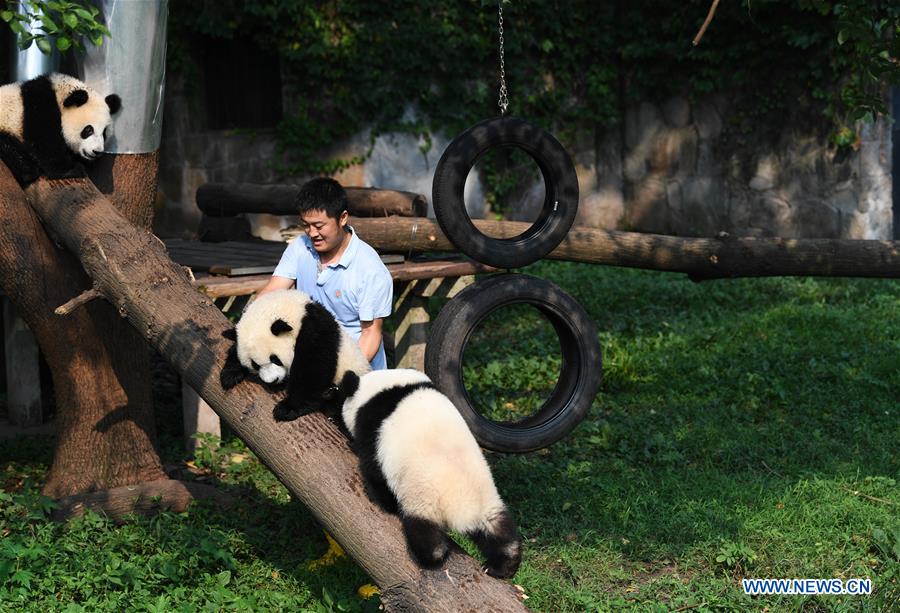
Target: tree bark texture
{"points": [[105, 434], [700, 258], [226, 199], [130, 267]]}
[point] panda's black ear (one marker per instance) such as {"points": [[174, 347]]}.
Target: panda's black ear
{"points": [[230, 334], [76, 98], [280, 326], [114, 103]]}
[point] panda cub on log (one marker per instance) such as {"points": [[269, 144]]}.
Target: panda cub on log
{"points": [[286, 336], [50, 123], [417, 456]]}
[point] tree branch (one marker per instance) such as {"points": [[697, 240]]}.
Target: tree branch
{"points": [[83, 298], [706, 22]]}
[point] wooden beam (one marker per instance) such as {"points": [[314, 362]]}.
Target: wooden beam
{"points": [[227, 199], [701, 258]]}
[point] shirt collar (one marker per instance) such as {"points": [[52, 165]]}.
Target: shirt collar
{"points": [[350, 252]]}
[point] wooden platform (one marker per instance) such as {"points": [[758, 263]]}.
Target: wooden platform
{"points": [[240, 268]]}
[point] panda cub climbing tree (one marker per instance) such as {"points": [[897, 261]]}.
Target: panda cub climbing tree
{"points": [[279, 332], [50, 124]]}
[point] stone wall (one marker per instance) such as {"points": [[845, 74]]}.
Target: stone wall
{"points": [[678, 168]]}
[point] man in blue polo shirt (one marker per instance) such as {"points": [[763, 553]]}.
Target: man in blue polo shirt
{"points": [[336, 268]]}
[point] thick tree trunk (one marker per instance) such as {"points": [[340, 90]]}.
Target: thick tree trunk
{"points": [[104, 421], [309, 456], [700, 258]]}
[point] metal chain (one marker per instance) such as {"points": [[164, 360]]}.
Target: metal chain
{"points": [[503, 102]]}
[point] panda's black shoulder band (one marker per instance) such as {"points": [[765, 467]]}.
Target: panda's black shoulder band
{"points": [[380, 406]]}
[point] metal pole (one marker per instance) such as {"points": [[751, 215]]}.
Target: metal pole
{"points": [[131, 64]]}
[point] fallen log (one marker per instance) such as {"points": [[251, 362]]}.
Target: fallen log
{"points": [[701, 258], [130, 268], [228, 199]]}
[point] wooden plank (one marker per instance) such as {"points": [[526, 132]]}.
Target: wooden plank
{"points": [[218, 287]]}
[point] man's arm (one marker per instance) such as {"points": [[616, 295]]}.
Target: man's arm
{"points": [[370, 338], [275, 283]]}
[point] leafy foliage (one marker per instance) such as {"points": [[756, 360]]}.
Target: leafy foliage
{"points": [[63, 23], [427, 66]]}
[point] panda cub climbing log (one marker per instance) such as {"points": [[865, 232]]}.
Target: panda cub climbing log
{"points": [[417, 456], [50, 123], [285, 335]]}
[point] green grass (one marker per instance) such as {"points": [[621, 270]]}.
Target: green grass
{"points": [[745, 428]]}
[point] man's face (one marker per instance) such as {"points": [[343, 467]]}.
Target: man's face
{"points": [[326, 233]]}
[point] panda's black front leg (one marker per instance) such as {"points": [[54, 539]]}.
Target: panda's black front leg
{"points": [[20, 160], [58, 162], [232, 372], [287, 410], [376, 486]]}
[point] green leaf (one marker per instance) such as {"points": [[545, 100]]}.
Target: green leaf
{"points": [[49, 24], [97, 40], [44, 45], [71, 20], [84, 14], [63, 43], [6, 16]]}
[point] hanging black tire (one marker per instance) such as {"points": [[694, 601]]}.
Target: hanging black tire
{"points": [[560, 201], [580, 370]]}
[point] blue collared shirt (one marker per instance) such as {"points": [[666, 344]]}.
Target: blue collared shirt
{"points": [[355, 289]]}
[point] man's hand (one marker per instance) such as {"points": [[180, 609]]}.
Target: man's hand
{"points": [[275, 283]]}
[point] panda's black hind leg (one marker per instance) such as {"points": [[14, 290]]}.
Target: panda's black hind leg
{"points": [[501, 546], [426, 541]]}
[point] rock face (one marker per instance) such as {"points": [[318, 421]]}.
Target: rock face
{"points": [[680, 167]]}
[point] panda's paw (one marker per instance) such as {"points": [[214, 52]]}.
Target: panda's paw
{"points": [[284, 411], [232, 372], [229, 377]]}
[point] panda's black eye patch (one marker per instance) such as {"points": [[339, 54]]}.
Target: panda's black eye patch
{"points": [[88, 131], [274, 359], [254, 365]]}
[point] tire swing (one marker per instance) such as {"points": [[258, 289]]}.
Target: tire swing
{"points": [[580, 371], [560, 181]]}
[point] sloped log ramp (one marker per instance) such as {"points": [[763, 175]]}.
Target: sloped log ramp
{"points": [[701, 258], [131, 269]]}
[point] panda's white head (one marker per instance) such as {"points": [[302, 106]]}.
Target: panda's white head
{"points": [[85, 115], [267, 334]]}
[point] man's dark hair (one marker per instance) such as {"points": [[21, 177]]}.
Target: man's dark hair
{"points": [[322, 194]]}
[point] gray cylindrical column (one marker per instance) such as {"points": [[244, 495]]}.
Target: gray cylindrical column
{"points": [[132, 64]]}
